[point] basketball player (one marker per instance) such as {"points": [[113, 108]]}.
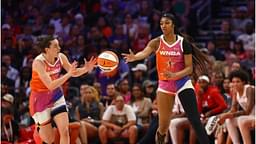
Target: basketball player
{"points": [[47, 101], [175, 57]]}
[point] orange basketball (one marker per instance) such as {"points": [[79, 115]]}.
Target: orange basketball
{"points": [[107, 61]]}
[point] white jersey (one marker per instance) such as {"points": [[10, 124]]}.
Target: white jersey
{"points": [[119, 117], [243, 100]]}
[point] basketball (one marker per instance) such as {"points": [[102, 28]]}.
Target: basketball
{"points": [[107, 61]]}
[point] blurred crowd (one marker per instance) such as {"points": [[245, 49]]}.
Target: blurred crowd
{"points": [[85, 28]]}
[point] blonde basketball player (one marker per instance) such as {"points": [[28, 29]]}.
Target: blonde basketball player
{"points": [[174, 65], [46, 100]]}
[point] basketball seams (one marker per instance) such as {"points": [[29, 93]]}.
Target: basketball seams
{"points": [[107, 61]]}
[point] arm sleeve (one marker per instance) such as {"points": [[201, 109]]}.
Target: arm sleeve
{"points": [[130, 113], [187, 47], [107, 114], [220, 101]]}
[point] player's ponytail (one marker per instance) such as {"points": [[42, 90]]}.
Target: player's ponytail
{"points": [[200, 60]]}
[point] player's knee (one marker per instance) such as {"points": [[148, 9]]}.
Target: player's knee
{"points": [[49, 139], [64, 131]]}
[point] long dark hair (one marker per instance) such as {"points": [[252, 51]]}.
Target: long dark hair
{"points": [[200, 60]]}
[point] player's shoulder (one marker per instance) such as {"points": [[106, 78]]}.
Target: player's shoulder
{"points": [[156, 40], [62, 55], [38, 59], [154, 43], [38, 63]]}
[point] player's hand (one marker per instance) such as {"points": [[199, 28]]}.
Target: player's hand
{"points": [[89, 65], [129, 57], [169, 75], [72, 71]]}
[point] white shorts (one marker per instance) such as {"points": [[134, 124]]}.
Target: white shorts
{"points": [[45, 116]]}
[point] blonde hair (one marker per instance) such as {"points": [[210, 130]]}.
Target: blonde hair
{"points": [[94, 92]]}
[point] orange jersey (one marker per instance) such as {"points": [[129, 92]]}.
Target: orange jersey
{"points": [[169, 57], [54, 70]]}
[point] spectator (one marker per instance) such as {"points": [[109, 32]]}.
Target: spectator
{"points": [[249, 62], [9, 127], [224, 38], [111, 92], [149, 89], [8, 48], [94, 37], [141, 106], [65, 27], [5, 80], [130, 28], [210, 101], [56, 21], [118, 121], [181, 9], [77, 51], [97, 86], [217, 79], [89, 111], [248, 37], [106, 30], [149, 136], [244, 119], [25, 77], [79, 22], [178, 123], [213, 51], [132, 7], [124, 90], [221, 132], [142, 38], [118, 37], [145, 10], [12, 72], [239, 50], [154, 24], [239, 20], [139, 73], [39, 26]]}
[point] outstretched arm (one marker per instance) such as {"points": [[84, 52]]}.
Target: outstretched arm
{"points": [[39, 67], [151, 46], [88, 66]]}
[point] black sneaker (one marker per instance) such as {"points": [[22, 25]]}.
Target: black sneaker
{"points": [[160, 139]]}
